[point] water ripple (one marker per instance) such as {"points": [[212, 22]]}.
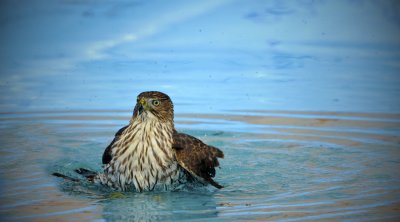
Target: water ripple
{"points": [[279, 166]]}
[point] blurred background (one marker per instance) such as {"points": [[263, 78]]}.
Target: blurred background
{"points": [[209, 56]]}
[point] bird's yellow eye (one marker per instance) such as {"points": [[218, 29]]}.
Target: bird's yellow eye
{"points": [[156, 102]]}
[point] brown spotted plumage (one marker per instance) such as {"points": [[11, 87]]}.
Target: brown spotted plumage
{"points": [[196, 157], [150, 154]]}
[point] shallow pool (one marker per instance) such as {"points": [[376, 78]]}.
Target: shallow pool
{"points": [[278, 165]]}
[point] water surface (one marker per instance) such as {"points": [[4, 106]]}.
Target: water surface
{"points": [[279, 165]]}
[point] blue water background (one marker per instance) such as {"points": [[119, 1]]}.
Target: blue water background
{"points": [[209, 56]]}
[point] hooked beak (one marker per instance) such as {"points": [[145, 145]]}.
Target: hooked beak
{"points": [[142, 106]]}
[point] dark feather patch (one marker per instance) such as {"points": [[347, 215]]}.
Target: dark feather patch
{"points": [[65, 177], [197, 157], [107, 153], [86, 173]]}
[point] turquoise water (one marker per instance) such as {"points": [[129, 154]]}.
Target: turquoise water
{"points": [[302, 97], [285, 166]]}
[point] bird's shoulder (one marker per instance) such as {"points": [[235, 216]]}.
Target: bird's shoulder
{"points": [[107, 155]]}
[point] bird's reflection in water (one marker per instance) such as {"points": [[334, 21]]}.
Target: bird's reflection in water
{"points": [[159, 206]]}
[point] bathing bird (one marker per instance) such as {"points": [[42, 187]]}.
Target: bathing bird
{"points": [[149, 154]]}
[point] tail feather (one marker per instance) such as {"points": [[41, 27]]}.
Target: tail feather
{"points": [[215, 184], [65, 177], [86, 173]]}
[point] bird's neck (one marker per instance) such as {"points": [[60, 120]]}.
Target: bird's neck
{"points": [[148, 117], [144, 155], [148, 125]]}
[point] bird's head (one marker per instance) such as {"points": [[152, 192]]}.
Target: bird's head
{"points": [[155, 104]]}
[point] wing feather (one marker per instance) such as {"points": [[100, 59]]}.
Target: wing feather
{"points": [[198, 158], [107, 152]]}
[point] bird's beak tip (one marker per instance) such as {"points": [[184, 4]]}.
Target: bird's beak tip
{"points": [[142, 105], [140, 109]]}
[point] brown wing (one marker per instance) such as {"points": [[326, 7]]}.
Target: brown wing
{"points": [[107, 153], [197, 158]]}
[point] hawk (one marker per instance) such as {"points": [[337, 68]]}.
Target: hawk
{"points": [[149, 154]]}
